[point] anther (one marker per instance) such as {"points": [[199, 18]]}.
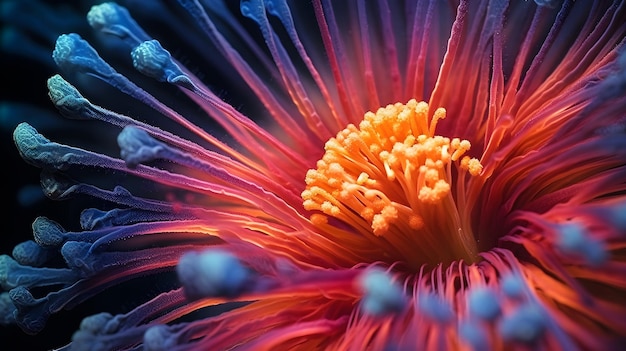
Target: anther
{"points": [[212, 273], [381, 294]]}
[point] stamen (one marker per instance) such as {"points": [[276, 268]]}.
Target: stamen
{"points": [[48, 233], [391, 177], [159, 338], [212, 273], [101, 323], [151, 59], [526, 324], [512, 286], [106, 331], [484, 303], [381, 295], [137, 147], [573, 239], [110, 18], [29, 253]]}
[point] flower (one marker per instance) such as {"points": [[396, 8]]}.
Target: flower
{"points": [[378, 175]]}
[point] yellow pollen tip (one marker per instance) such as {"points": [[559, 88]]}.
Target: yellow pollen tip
{"points": [[385, 173], [318, 219]]}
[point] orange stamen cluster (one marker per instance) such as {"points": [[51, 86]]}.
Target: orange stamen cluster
{"points": [[388, 171]]}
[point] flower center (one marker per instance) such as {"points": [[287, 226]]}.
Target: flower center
{"points": [[391, 178]]}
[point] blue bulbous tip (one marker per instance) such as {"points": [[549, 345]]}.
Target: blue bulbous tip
{"points": [[596, 253], [212, 273], [526, 324], [113, 19], [105, 15], [573, 239], [101, 323], [137, 146], [483, 303], [28, 141], [31, 314], [381, 295], [151, 59], [96, 333], [73, 54], [64, 48], [158, 338], [38, 151], [512, 285], [29, 253], [67, 98], [48, 233]]}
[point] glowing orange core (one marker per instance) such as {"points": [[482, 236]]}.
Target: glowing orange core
{"points": [[391, 177]]}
